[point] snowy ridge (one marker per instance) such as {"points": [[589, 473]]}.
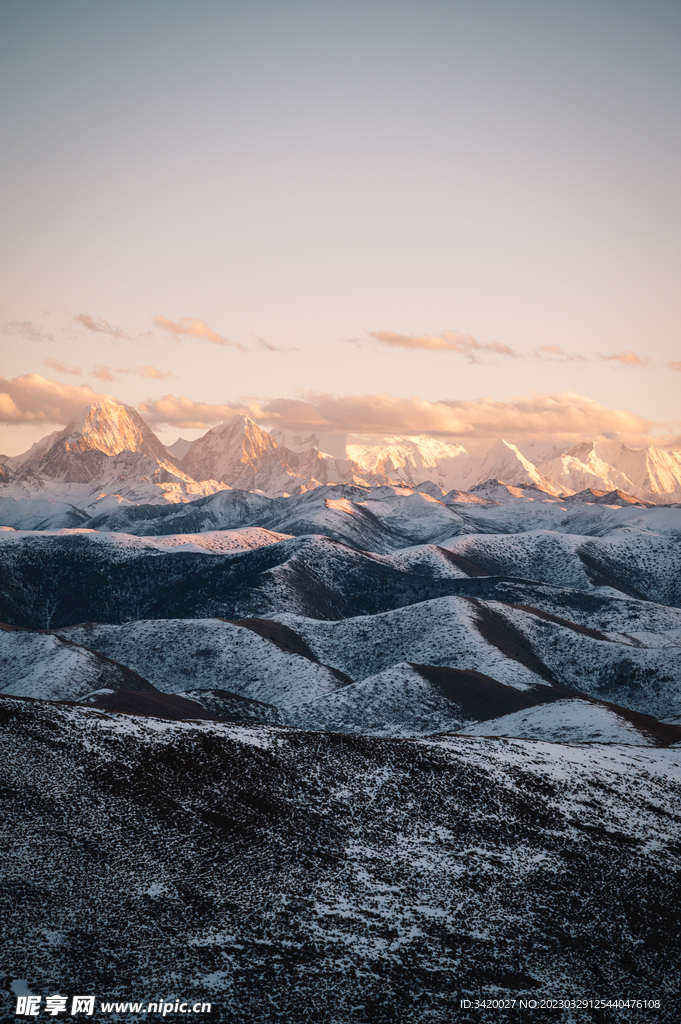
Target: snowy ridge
{"points": [[112, 455], [385, 857], [566, 721], [435, 666]]}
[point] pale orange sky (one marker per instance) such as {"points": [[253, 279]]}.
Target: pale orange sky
{"points": [[458, 206]]}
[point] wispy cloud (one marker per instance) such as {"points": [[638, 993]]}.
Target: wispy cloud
{"points": [[472, 349], [36, 399], [626, 357], [114, 373], [154, 372], [448, 341], [60, 367], [557, 354], [566, 414], [190, 327], [674, 364], [97, 325], [27, 329], [108, 373], [272, 348]]}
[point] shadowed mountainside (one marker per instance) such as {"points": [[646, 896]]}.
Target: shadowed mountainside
{"points": [[402, 878]]}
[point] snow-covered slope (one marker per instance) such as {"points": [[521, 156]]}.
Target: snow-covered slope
{"points": [[239, 453], [407, 459], [380, 518], [521, 587], [58, 579], [106, 429], [242, 454], [297, 876], [648, 473], [412, 700], [209, 654], [515, 644], [566, 721], [52, 668], [39, 514], [632, 657], [505, 462], [179, 448], [260, 861]]}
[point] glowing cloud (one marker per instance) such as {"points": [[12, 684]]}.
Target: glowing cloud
{"points": [[190, 327], [183, 412], [566, 414], [448, 341], [626, 357], [112, 373], [35, 399], [152, 371]]}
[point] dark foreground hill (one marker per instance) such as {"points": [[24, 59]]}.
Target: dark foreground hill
{"points": [[293, 876]]}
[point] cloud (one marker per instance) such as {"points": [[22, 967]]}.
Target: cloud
{"points": [[108, 373], [675, 364], [152, 371], [273, 348], [557, 354], [190, 327], [104, 373], [99, 326], [567, 415], [113, 373], [450, 341], [56, 364], [564, 414], [184, 412], [626, 357], [27, 329], [35, 399], [471, 349]]}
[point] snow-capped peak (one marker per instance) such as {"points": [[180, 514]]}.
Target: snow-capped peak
{"points": [[226, 450], [111, 442], [112, 428]]}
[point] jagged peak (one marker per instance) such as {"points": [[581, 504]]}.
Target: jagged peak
{"points": [[581, 451], [112, 427], [240, 427], [106, 428], [238, 424]]}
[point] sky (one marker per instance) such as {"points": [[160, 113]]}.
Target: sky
{"points": [[458, 218]]}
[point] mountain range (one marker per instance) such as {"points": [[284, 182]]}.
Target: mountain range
{"points": [[111, 456], [339, 735], [368, 611]]}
